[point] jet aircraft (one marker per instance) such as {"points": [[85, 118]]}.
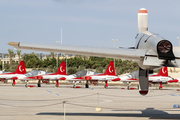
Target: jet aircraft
{"points": [[150, 51], [160, 78], [43, 76], [34, 74], [20, 70], [78, 77], [109, 75]]}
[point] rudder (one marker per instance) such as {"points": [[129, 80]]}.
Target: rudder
{"points": [[62, 69], [21, 68], [163, 71], [110, 69]]}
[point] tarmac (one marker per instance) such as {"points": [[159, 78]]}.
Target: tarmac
{"points": [[50, 103]]}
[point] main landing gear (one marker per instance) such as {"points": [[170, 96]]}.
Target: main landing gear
{"points": [[87, 84], [39, 83], [57, 83], [128, 87], [14, 83], [106, 85], [160, 86]]}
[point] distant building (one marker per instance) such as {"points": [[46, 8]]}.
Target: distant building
{"points": [[6, 59]]}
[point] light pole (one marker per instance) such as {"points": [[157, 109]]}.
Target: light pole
{"points": [[114, 42], [179, 40], [3, 62], [57, 55], [65, 54], [114, 47]]}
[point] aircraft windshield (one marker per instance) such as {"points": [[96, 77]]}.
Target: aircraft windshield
{"points": [[34, 73], [81, 73], [135, 74]]}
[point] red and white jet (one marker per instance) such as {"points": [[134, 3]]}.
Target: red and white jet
{"points": [[160, 78], [109, 75], [44, 76], [20, 70], [77, 77]]}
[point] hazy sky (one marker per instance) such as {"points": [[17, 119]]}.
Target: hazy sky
{"points": [[85, 22]]}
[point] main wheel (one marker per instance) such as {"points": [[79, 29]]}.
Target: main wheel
{"points": [[86, 85], [104, 86], [39, 85]]}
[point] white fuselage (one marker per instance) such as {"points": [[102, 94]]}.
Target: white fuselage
{"points": [[159, 79], [74, 77], [52, 76], [8, 76], [152, 78], [103, 77]]}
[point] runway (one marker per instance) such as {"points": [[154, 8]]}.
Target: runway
{"points": [[20, 103]]}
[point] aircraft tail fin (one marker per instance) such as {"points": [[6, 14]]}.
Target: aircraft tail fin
{"points": [[163, 71], [142, 20], [62, 69], [21, 68], [110, 69]]}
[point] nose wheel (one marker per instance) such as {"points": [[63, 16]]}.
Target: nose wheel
{"points": [[87, 84], [39, 83], [14, 83]]}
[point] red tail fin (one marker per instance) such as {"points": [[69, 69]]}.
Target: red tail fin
{"points": [[163, 71], [110, 69], [21, 68], [62, 69]]}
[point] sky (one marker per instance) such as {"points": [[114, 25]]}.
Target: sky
{"points": [[84, 22]]}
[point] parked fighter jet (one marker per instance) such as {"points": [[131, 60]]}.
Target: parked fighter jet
{"points": [[43, 76], [109, 75], [29, 76], [160, 78], [78, 77], [150, 51], [20, 70]]}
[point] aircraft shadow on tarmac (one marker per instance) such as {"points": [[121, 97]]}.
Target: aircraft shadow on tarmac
{"points": [[149, 112]]}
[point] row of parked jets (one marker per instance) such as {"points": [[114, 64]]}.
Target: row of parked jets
{"points": [[84, 75]]}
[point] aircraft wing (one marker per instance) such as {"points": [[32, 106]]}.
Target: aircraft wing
{"points": [[120, 53]]}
